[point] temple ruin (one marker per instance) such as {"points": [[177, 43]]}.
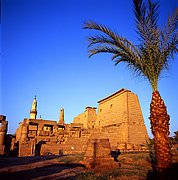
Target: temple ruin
{"points": [[3, 131], [118, 118]]}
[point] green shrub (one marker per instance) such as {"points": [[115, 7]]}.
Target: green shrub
{"points": [[150, 145]]}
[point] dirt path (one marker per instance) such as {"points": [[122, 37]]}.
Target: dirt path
{"points": [[37, 168]]}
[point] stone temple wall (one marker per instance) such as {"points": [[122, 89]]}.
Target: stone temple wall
{"points": [[119, 119], [112, 110], [3, 131], [137, 132], [87, 118], [120, 116]]}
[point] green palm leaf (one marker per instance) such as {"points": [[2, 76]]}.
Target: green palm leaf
{"points": [[147, 59], [156, 45]]}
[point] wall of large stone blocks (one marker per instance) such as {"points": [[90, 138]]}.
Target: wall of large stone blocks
{"points": [[18, 132], [117, 134], [81, 118], [50, 149], [119, 119], [137, 134], [137, 129], [74, 145], [25, 149], [134, 110], [87, 118], [120, 116], [112, 110]]}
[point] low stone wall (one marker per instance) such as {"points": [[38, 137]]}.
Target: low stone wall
{"points": [[50, 149], [74, 146], [25, 149]]}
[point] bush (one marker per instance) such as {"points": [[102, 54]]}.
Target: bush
{"points": [[150, 145]]}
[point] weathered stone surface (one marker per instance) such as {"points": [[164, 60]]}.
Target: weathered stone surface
{"points": [[120, 116], [3, 131], [98, 154], [98, 148], [87, 118], [119, 119]]}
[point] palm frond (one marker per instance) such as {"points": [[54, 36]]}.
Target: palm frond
{"points": [[146, 17], [169, 50], [169, 36], [122, 49], [102, 49], [140, 17], [156, 45], [100, 39], [171, 26], [153, 13], [92, 25], [110, 38]]}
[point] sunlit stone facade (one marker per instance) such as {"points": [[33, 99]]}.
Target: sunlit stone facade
{"points": [[118, 118]]}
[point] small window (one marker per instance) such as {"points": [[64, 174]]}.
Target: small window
{"points": [[100, 110], [111, 106]]}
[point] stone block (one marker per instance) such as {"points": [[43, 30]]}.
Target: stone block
{"points": [[98, 154]]}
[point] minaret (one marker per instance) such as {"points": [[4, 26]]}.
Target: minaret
{"points": [[61, 118], [33, 111]]}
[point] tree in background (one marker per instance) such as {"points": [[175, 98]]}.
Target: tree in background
{"points": [[176, 136], [148, 59], [174, 139]]}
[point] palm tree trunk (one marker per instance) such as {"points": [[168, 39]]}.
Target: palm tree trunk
{"points": [[160, 130]]}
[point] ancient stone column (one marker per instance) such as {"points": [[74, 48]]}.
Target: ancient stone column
{"points": [[33, 146], [12, 144], [24, 132], [3, 131]]}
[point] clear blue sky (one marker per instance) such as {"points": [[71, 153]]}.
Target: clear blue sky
{"points": [[44, 53]]}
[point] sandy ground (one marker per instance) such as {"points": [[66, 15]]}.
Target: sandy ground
{"points": [[133, 167], [37, 168]]}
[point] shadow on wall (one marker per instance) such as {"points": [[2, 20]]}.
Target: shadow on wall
{"points": [[13, 152], [38, 148]]}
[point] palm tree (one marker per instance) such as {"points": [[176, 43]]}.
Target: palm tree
{"points": [[148, 59]]}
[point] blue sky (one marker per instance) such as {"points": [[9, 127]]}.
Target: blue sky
{"points": [[44, 53]]}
